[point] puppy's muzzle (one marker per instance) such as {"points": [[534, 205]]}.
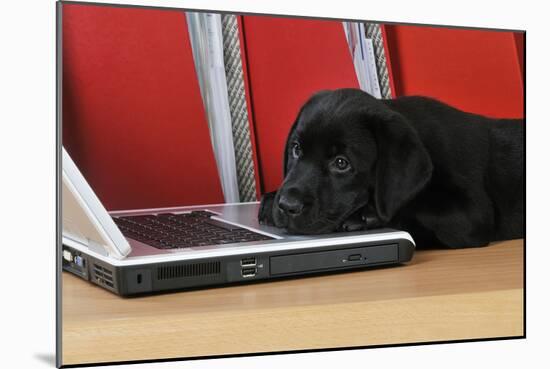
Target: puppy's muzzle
{"points": [[291, 206], [291, 202]]}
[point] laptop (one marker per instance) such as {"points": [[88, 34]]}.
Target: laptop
{"points": [[151, 250]]}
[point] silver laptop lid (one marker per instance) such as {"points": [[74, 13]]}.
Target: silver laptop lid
{"points": [[85, 220]]}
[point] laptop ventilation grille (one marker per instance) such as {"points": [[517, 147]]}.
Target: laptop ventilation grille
{"points": [[188, 270], [103, 276]]}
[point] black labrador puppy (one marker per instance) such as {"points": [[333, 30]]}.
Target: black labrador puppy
{"points": [[353, 162]]}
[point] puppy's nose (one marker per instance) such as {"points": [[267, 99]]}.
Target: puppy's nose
{"points": [[291, 206]]}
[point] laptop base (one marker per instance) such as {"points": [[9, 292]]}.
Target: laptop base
{"points": [[128, 280]]}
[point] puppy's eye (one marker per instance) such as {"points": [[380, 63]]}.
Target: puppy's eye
{"points": [[296, 150], [341, 163]]}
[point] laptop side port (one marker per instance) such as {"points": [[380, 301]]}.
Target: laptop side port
{"points": [[248, 272], [68, 256], [74, 261], [250, 261]]}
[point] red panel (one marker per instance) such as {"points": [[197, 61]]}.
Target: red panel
{"points": [[289, 60], [473, 70], [133, 118]]}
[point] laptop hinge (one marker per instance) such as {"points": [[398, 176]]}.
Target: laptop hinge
{"points": [[96, 247]]}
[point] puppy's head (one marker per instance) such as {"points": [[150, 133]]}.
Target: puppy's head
{"points": [[345, 150]]}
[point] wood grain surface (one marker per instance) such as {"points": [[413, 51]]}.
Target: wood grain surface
{"points": [[440, 295]]}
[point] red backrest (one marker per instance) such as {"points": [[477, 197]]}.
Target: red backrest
{"points": [[288, 60], [478, 71], [133, 117]]}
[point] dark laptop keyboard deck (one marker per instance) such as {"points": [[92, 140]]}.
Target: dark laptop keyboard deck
{"points": [[172, 231]]}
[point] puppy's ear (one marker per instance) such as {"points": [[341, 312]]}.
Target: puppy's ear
{"points": [[403, 167], [265, 213]]}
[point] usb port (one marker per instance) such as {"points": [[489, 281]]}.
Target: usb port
{"points": [[251, 261], [248, 272]]}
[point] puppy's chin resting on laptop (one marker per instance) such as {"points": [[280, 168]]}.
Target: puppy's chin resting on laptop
{"points": [[352, 162]]}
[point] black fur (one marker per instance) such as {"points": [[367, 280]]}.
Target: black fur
{"points": [[449, 178]]}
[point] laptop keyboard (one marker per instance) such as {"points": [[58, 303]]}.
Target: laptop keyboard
{"points": [[194, 229]]}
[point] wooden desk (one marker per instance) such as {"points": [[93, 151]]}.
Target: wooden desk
{"points": [[441, 295]]}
